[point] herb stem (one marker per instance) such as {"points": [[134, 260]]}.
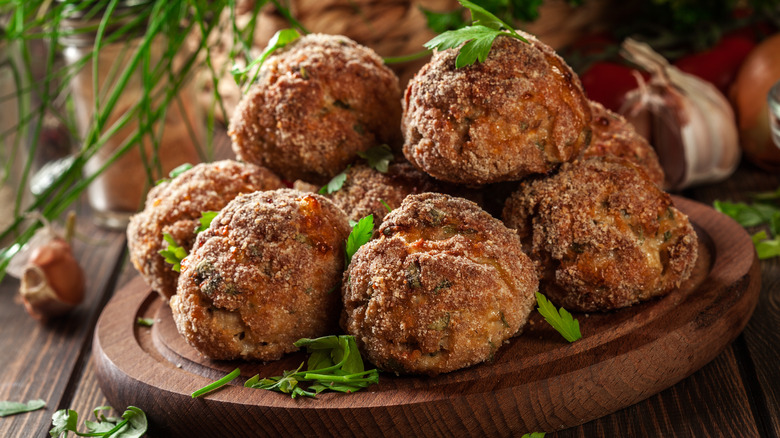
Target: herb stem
{"points": [[407, 58], [218, 384]]}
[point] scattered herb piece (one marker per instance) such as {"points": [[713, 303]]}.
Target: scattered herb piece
{"points": [[562, 321], [175, 172], [335, 184], [12, 408], [534, 435], [360, 235], [334, 364], [218, 384], [174, 254], [386, 206], [132, 424], [280, 39], [145, 322], [759, 213], [378, 157], [205, 220], [475, 41]]}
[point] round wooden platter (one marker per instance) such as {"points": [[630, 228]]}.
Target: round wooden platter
{"points": [[536, 382]]}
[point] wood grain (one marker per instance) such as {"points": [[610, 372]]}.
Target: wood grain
{"points": [[537, 382]]}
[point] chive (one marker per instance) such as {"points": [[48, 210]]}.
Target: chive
{"points": [[218, 384]]}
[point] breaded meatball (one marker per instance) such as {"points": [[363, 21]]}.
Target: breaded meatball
{"points": [[175, 208], [602, 234], [263, 275], [442, 288], [365, 189], [614, 135], [316, 103], [520, 112]]}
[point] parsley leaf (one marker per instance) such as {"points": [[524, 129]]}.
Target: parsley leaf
{"points": [[205, 220], [360, 235], [175, 172], [334, 364], [766, 247], [561, 321], [132, 424], [533, 435], [280, 39], [475, 41], [12, 408], [335, 184], [378, 157], [760, 213], [174, 254]]}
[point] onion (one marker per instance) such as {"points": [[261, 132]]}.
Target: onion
{"points": [[748, 95]]}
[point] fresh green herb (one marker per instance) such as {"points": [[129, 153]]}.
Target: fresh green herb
{"points": [[335, 184], [475, 41], [760, 213], [561, 320], [378, 157], [334, 364], [205, 220], [132, 424], [218, 384], [386, 205], [280, 39], [12, 408], [360, 235], [146, 322], [175, 172], [533, 435], [174, 254]]}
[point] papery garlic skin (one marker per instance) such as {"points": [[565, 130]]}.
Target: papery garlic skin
{"points": [[688, 120], [52, 282]]}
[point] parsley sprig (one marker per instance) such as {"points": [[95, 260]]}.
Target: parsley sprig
{"points": [[334, 365], [360, 235], [175, 253], [764, 212], [562, 321], [132, 424], [12, 408], [475, 41], [378, 157], [335, 184]]}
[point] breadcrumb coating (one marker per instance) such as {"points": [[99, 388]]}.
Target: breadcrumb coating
{"points": [[602, 235], [265, 274], [522, 111], [175, 207], [442, 287], [316, 103]]}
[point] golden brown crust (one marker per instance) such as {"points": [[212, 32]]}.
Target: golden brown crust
{"points": [[442, 288], [316, 104], [265, 274], [614, 135], [175, 208], [602, 235], [365, 189], [522, 111]]}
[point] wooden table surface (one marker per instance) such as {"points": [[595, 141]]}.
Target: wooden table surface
{"points": [[737, 394]]}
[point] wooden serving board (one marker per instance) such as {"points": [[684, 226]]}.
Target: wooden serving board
{"points": [[536, 382]]}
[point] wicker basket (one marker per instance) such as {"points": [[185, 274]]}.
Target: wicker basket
{"points": [[391, 28]]}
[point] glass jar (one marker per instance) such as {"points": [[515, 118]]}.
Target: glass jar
{"points": [[122, 182], [773, 101]]}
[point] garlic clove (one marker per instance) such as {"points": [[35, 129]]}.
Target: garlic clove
{"points": [[52, 282]]}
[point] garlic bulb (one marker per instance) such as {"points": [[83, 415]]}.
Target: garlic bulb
{"points": [[688, 121]]}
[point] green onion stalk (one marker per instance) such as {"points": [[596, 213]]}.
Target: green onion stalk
{"points": [[25, 23]]}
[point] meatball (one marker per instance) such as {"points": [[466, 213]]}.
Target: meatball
{"points": [[442, 287], [262, 276], [614, 135], [522, 111], [602, 234], [317, 103], [365, 189], [174, 207]]}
